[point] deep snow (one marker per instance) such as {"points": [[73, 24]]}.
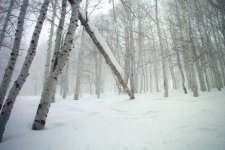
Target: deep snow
{"points": [[150, 122]]}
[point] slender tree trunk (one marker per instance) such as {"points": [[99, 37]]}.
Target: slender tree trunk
{"points": [[199, 69], [165, 81], [5, 25], [170, 62], [65, 81], [80, 66], [127, 56], [194, 85], [48, 58], [213, 61], [156, 75], [179, 64], [184, 51], [217, 50], [8, 105], [194, 51], [207, 79], [99, 75], [132, 60], [14, 54], [140, 51], [80, 61], [58, 42], [90, 84], [60, 61]]}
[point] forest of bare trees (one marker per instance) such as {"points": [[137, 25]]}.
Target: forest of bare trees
{"points": [[67, 47]]}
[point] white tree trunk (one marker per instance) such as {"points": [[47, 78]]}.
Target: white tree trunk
{"points": [[48, 57], [80, 66], [80, 61], [65, 81], [8, 105], [165, 81], [156, 75], [14, 54], [59, 63], [179, 64], [193, 80], [98, 75], [127, 56], [58, 41], [133, 81], [5, 25]]}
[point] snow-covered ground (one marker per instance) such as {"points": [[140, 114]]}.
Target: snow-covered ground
{"points": [[150, 122]]}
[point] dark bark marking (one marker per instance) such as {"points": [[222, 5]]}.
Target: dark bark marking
{"points": [[39, 106], [42, 122], [8, 103], [17, 85]]}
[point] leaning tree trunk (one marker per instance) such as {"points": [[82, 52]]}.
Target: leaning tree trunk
{"points": [[5, 25], [95, 38], [14, 54], [61, 59], [8, 105]]}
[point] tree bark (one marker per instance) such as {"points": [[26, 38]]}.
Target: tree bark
{"points": [[8, 105], [80, 61], [165, 80], [80, 66], [58, 42], [44, 105], [187, 28], [14, 54], [65, 80], [5, 25], [48, 57]]}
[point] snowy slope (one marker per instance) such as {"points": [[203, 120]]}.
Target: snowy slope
{"points": [[150, 122]]}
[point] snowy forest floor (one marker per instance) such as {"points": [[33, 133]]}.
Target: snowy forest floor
{"points": [[150, 122]]}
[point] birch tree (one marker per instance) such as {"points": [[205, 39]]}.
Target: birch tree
{"points": [[58, 42], [193, 80], [48, 57], [65, 81], [81, 59], [98, 74], [6, 21], [44, 105], [13, 93], [162, 48], [14, 54]]}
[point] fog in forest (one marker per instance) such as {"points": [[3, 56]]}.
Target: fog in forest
{"points": [[53, 50]]}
